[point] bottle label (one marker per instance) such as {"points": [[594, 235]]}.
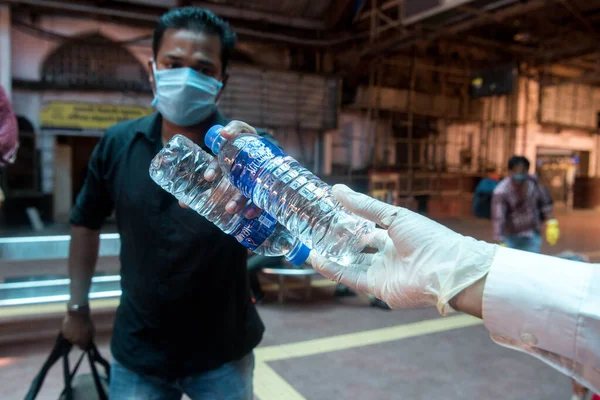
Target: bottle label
{"points": [[254, 153], [251, 233]]}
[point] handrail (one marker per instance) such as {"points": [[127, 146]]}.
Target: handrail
{"points": [[56, 298], [28, 248], [55, 282]]}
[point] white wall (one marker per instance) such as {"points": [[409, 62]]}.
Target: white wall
{"points": [[531, 135], [29, 51], [458, 140], [351, 140]]}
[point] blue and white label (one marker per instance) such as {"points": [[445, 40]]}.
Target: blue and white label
{"points": [[251, 233], [254, 153]]}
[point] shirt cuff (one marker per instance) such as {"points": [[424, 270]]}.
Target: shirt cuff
{"points": [[535, 300], [80, 218]]}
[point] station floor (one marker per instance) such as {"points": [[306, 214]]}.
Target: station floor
{"points": [[341, 348]]}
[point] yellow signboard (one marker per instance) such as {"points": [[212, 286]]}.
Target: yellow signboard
{"points": [[88, 115]]}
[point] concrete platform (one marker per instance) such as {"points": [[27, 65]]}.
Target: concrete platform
{"points": [[343, 348]]}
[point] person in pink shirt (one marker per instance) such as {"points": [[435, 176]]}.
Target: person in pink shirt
{"points": [[9, 133]]}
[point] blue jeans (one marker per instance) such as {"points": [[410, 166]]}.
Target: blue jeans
{"points": [[231, 381], [531, 244]]}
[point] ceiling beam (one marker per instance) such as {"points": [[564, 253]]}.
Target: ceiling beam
{"points": [[87, 9], [576, 12], [592, 79], [149, 19], [385, 6], [499, 16], [479, 13], [492, 44], [246, 14], [564, 54], [408, 39]]}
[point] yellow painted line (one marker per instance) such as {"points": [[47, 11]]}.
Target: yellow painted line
{"points": [[39, 309], [269, 385], [323, 283], [365, 338]]}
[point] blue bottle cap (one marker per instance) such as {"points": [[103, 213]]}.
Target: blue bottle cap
{"points": [[213, 139], [298, 255]]}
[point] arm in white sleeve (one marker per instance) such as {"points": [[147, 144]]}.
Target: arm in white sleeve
{"points": [[549, 308]]}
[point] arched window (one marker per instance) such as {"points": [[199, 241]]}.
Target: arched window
{"points": [[94, 62]]}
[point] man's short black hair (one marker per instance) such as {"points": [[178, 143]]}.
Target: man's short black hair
{"points": [[518, 160], [196, 19]]}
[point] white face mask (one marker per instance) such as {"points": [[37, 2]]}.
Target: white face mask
{"points": [[183, 96]]}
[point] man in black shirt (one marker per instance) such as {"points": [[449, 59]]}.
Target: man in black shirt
{"points": [[186, 323]]}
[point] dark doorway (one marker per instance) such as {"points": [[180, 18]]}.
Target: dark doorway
{"points": [[82, 148]]}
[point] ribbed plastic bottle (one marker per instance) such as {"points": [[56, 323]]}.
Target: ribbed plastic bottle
{"points": [[299, 200], [179, 169]]}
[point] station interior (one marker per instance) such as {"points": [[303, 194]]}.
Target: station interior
{"points": [[413, 102]]}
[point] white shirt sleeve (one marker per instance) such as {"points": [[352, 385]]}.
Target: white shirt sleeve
{"points": [[549, 308]]}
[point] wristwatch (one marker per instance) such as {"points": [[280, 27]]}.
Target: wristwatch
{"points": [[78, 309]]}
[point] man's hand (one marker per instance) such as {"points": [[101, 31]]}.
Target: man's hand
{"points": [[418, 262], [78, 329], [230, 132]]}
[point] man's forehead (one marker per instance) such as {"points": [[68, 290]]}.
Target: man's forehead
{"points": [[187, 39]]}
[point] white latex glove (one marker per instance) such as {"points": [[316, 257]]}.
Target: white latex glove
{"points": [[418, 263]]}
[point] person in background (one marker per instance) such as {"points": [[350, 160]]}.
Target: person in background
{"points": [[544, 306], [186, 322], [9, 135], [520, 205], [9, 131], [484, 191]]}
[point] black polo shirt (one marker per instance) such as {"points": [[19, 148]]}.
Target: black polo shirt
{"points": [[186, 305]]}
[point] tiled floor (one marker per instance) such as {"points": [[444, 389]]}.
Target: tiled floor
{"points": [[342, 348]]}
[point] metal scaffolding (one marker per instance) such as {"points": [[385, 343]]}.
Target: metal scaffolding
{"points": [[432, 142]]}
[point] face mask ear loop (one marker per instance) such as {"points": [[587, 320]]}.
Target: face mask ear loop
{"points": [[154, 90]]}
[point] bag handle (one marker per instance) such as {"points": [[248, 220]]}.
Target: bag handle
{"points": [[68, 390], [68, 377], [62, 347], [93, 357], [97, 358]]}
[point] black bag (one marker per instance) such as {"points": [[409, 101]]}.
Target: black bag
{"points": [[85, 386]]}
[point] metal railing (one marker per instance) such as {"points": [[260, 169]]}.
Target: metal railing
{"points": [[42, 291]]}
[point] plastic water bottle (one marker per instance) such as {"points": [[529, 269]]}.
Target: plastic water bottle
{"points": [[179, 169], [299, 200]]}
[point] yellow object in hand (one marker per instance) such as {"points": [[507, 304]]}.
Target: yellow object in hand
{"points": [[552, 232]]}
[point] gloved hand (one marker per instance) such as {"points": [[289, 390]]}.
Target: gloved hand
{"points": [[552, 232], [418, 262]]}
